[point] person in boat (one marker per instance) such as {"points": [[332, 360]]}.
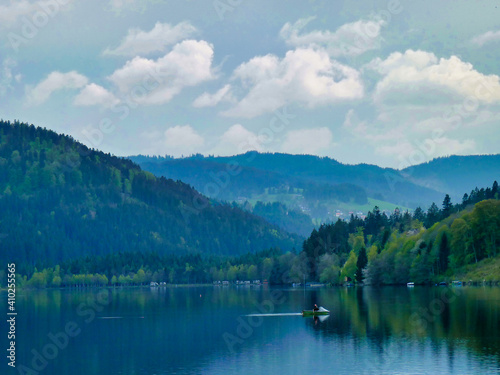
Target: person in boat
{"points": [[316, 308]]}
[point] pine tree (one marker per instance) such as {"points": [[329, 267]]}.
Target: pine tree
{"points": [[361, 264], [447, 207], [432, 215], [419, 214]]}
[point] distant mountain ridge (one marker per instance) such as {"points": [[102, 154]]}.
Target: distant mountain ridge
{"points": [[455, 174], [260, 171], [61, 200]]}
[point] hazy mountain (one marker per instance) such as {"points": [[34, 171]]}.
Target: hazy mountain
{"points": [[260, 171], [455, 175]]}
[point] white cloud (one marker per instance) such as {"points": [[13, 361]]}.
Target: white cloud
{"points": [[7, 75], [350, 119], [397, 60], [401, 150], [304, 76], [150, 81], [175, 141], [54, 82], [183, 138], [487, 37], [410, 153], [420, 78], [308, 141], [238, 140], [447, 146], [211, 100], [406, 136], [9, 14], [351, 39], [93, 94], [427, 107], [138, 42]]}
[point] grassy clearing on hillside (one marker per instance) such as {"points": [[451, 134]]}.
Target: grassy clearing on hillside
{"points": [[294, 200], [485, 270], [382, 205]]}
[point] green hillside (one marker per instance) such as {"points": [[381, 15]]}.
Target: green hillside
{"points": [[321, 188], [456, 242], [60, 200], [385, 184]]}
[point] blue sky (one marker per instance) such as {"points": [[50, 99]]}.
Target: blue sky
{"points": [[392, 83]]}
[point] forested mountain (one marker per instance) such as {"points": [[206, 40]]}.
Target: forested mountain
{"points": [[60, 200], [457, 241], [226, 179], [309, 174], [422, 247], [455, 175], [292, 220]]}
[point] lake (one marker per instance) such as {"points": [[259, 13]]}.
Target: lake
{"points": [[208, 330]]}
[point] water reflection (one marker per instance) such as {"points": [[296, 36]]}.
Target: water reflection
{"points": [[181, 330], [437, 319]]}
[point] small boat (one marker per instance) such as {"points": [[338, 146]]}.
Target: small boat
{"points": [[410, 284], [321, 311]]}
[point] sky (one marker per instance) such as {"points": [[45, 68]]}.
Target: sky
{"points": [[393, 83]]}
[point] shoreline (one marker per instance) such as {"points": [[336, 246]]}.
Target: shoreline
{"points": [[170, 286]]}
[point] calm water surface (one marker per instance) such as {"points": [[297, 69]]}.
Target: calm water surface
{"points": [[207, 330]]}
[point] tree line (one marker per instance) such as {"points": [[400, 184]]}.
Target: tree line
{"points": [[376, 250], [60, 200]]}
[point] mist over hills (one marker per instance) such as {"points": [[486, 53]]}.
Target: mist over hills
{"points": [[455, 174]]}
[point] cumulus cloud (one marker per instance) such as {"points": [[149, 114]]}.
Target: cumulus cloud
{"points": [[93, 94], [351, 39], [179, 140], [308, 141], [150, 81], [139, 42], [420, 78], [182, 139], [407, 136], [211, 100], [305, 75], [54, 82], [238, 140], [487, 37]]}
